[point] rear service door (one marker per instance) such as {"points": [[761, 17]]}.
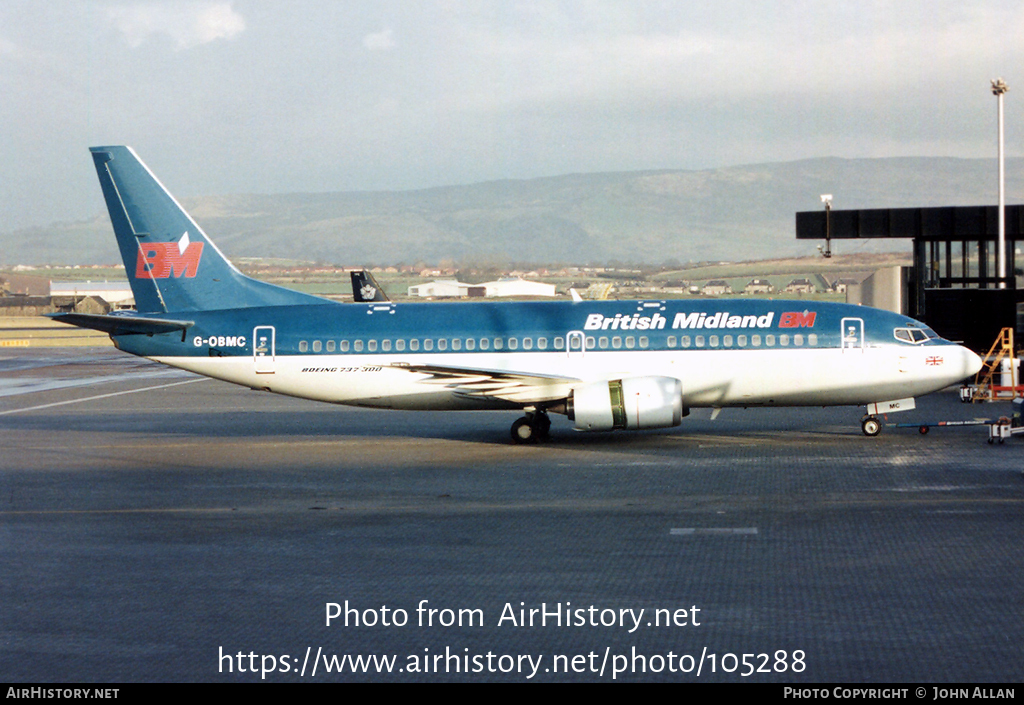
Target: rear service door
{"points": [[263, 349]]}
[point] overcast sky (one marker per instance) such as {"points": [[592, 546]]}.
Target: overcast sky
{"points": [[326, 95]]}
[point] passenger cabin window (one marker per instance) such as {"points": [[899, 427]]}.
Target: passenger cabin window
{"points": [[317, 346], [344, 346], [414, 345]]}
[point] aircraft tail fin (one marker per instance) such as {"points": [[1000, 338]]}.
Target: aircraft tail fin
{"points": [[365, 288], [170, 262]]}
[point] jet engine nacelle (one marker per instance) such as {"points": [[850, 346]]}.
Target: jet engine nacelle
{"points": [[632, 403]]}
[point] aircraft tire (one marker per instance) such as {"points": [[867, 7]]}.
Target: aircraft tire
{"points": [[523, 431], [542, 426], [871, 426]]}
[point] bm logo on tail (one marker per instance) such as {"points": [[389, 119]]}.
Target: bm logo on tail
{"points": [[162, 260]]}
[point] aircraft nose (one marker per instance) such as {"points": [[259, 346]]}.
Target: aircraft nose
{"points": [[972, 362]]}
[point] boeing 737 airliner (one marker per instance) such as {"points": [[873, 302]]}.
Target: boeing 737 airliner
{"points": [[605, 365]]}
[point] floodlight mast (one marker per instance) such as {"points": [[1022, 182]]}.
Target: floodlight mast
{"points": [[999, 88], [826, 198]]}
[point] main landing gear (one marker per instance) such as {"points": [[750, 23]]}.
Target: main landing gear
{"points": [[531, 428]]}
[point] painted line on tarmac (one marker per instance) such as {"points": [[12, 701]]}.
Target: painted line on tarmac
{"points": [[742, 531], [100, 396], [168, 510]]}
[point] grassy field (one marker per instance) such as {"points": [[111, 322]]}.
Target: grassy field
{"points": [[831, 268], [39, 332]]}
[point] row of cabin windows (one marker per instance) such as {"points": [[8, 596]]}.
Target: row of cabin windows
{"points": [[429, 344], [603, 343], [755, 341]]}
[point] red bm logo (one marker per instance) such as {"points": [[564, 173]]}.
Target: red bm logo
{"points": [[162, 260], [795, 319]]}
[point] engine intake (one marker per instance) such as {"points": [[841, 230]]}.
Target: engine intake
{"points": [[631, 403]]}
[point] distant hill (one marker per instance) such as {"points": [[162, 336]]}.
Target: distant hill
{"points": [[653, 217]]}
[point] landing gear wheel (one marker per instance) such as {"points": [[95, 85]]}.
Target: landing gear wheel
{"points": [[542, 425], [523, 431], [871, 426]]}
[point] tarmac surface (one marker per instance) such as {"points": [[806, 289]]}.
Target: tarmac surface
{"points": [[157, 526]]}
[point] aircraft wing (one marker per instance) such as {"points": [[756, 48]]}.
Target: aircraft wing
{"points": [[516, 387]]}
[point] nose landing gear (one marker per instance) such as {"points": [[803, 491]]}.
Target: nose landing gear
{"points": [[532, 428], [870, 425]]}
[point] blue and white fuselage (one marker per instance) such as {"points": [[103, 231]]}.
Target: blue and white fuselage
{"points": [[608, 364]]}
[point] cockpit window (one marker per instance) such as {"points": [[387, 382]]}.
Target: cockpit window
{"points": [[913, 335]]}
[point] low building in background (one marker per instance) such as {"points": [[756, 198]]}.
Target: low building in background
{"points": [[515, 286], [716, 287], [117, 295], [800, 286], [758, 286], [443, 288], [450, 288]]}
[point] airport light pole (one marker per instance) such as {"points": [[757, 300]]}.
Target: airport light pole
{"points": [[826, 198], [999, 88]]}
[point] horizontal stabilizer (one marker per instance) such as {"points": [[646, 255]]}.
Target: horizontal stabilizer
{"points": [[121, 325]]}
